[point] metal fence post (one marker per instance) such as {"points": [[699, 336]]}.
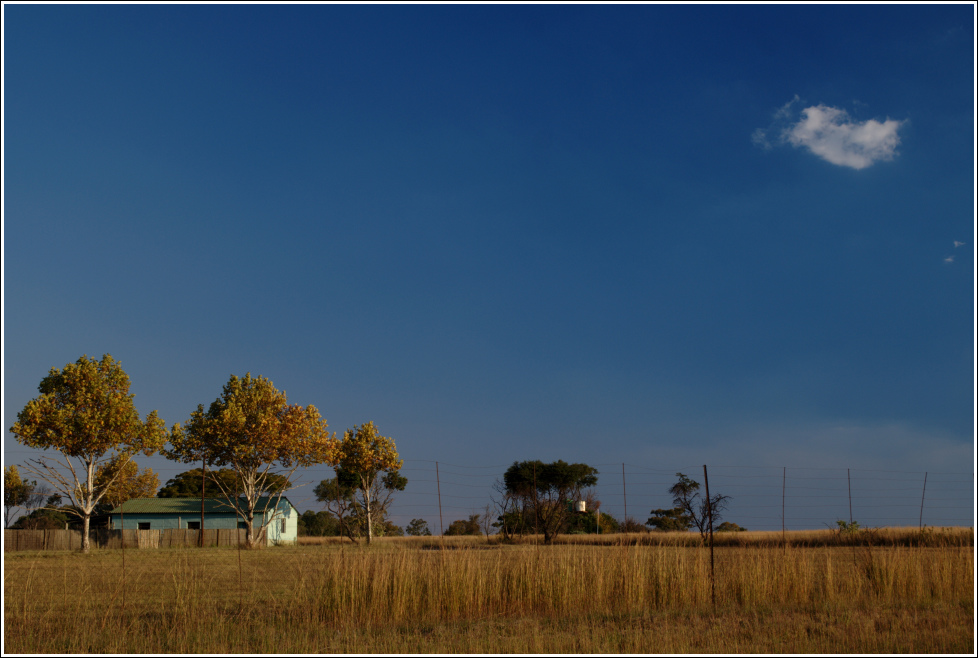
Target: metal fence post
{"points": [[624, 493], [441, 520], [709, 512], [849, 479], [923, 493], [784, 480]]}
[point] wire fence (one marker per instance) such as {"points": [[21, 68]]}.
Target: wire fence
{"points": [[761, 498]]}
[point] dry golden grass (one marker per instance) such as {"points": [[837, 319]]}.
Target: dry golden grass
{"points": [[464, 594], [896, 536]]}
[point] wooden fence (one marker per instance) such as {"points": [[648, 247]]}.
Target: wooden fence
{"points": [[68, 540]]}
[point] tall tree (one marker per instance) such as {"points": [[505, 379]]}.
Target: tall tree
{"points": [[345, 499], [339, 498], [128, 481], [318, 524], [364, 460], [188, 484], [686, 497], [514, 511], [551, 488], [86, 414], [253, 430]]}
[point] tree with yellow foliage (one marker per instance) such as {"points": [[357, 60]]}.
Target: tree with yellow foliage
{"points": [[15, 492], [86, 414], [366, 464], [128, 481], [253, 430]]}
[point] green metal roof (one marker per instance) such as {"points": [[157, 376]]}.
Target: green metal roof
{"points": [[184, 506]]}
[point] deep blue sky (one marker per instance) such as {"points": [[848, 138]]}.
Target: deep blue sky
{"points": [[591, 233]]}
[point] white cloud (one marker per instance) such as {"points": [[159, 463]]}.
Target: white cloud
{"points": [[831, 134], [958, 244], [949, 259]]}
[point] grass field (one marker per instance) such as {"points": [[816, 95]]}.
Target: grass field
{"points": [[894, 591]]}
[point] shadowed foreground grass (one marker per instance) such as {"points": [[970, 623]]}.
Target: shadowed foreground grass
{"points": [[402, 596]]}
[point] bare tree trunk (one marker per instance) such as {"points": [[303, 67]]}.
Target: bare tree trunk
{"points": [[250, 530], [85, 543], [370, 521]]}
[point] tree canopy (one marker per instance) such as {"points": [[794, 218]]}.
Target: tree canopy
{"points": [[85, 413], [549, 487], [318, 524], [470, 526], [127, 480], [418, 528], [666, 520], [728, 526], [187, 484], [253, 430], [15, 493]]}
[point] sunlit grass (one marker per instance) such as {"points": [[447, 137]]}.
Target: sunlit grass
{"points": [[464, 594]]}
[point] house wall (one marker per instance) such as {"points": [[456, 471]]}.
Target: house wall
{"points": [[173, 521], [217, 522], [291, 516]]}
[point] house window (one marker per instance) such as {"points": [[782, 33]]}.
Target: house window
{"points": [[193, 525], [242, 525], [283, 527], [143, 525]]}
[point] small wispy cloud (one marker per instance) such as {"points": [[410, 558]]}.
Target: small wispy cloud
{"points": [[831, 134], [958, 244], [949, 259]]}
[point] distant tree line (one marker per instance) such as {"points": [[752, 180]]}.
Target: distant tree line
{"points": [[537, 498]]}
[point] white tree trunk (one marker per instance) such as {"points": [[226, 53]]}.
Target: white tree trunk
{"points": [[85, 542], [370, 521]]}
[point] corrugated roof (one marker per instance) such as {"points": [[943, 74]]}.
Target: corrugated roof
{"points": [[184, 506]]}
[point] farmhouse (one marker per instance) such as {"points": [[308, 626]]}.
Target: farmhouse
{"points": [[184, 513]]}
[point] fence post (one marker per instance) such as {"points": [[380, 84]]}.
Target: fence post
{"points": [[624, 493], [203, 478], [536, 505], [921, 524], [122, 536], [441, 520], [849, 478], [709, 512]]}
